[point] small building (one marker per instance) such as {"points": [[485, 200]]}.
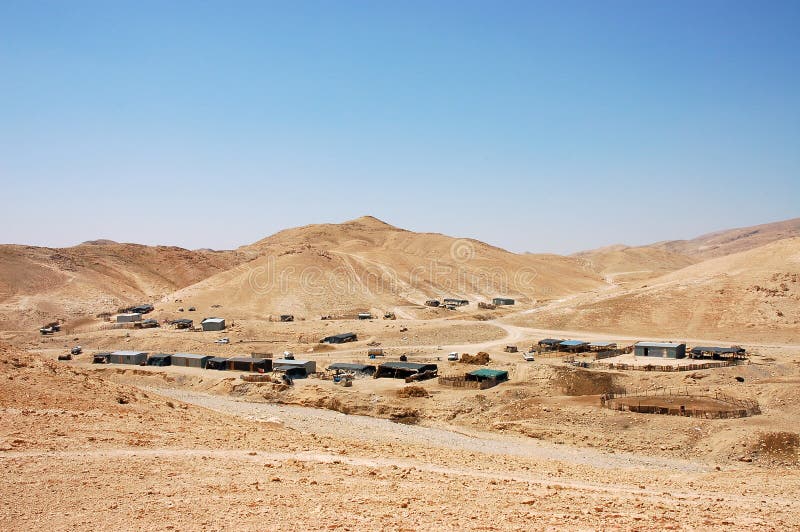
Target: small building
{"points": [[347, 367], [129, 317], [456, 302], [602, 346], [190, 360], [573, 346], [146, 324], [213, 324], [511, 349], [249, 364], [659, 349], [182, 323], [432, 303], [339, 338], [142, 309], [715, 352], [287, 317], [136, 358], [402, 370], [550, 344], [296, 369], [364, 316], [491, 376], [101, 358], [373, 352], [159, 359], [499, 301], [218, 363]]}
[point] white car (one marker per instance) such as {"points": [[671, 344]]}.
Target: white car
{"points": [[223, 341], [452, 356], [528, 357]]}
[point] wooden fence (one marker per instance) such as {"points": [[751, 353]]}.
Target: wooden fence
{"points": [[736, 407], [666, 367]]}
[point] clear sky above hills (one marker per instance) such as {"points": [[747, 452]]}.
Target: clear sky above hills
{"points": [[541, 126]]}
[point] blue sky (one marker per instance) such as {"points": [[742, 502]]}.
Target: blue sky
{"points": [[535, 126]]}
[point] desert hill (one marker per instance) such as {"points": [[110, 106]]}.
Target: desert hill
{"points": [[366, 264], [754, 293], [720, 243], [41, 284]]}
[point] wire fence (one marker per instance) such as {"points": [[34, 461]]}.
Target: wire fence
{"points": [[730, 407]]}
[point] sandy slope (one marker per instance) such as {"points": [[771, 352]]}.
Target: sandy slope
{"points": [[751, 294]]}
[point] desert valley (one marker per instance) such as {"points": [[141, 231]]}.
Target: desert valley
{"points": [[362, 376]]}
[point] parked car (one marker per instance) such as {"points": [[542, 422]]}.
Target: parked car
{"points": [[223, 341], [528, 357], [452, 356], [77, 350], [288, 355]]}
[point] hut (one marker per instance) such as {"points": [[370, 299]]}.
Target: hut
{"points": [[159, 359], [492, 377], [549, 344], [432, 303], [659, 349], [402, 370], [500, 301], [182, 323], [249, 364], [339, 338], [715, 352], [297, 369], [190, 360], [573, 346], [218, 363], [129, 317], [101, 358], [347, 367], [364, 316], [456, 302], [213, 324], [136, 358]]}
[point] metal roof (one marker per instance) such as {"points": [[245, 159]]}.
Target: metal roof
{"points": [[572, 343], [285, 362], [602, 344], [160, 355], [190, 355], [128, 353], [658, 344], [213, 320], [415, 366], [218, 359], [351, 366], [489, 373], [247, 359], [550, 341]]}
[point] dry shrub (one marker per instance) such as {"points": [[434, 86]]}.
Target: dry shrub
{"points": [[412, 391], [482, 358], [779, 445]]}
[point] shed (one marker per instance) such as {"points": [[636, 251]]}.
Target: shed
{"points": [[432, 303], [717, 352], [573, 346], [502, 301], [182, 323], [366, 369], [249, 364], [213, 324], [129, 317], [101, 358], [455, 301], [190, 360], [159, 359], [659, 349], [364, 316], [218, 363], [340, 338], [295, 368], [485, 374], [551, 343], [136, 358], [401, 370], [142, 309], [602, 346], [287, 317]]}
